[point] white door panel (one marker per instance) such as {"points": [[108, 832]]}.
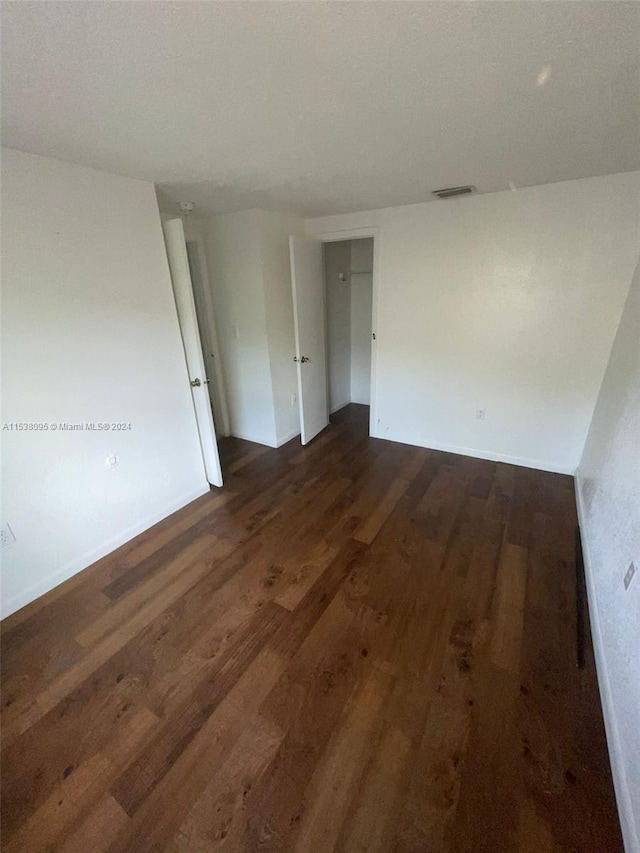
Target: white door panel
{"points": [[309, 317], [185, 305], [208, 336]]}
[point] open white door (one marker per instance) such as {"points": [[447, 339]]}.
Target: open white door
{"points": [[203, 299], [309, 319], [183, 293]]}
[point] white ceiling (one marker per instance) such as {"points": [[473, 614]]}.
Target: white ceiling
{"points": [[325, 107]]}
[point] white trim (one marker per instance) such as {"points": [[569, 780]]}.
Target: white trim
{"points": [[616, 756], [290, 435], [347, 234], [246, 437], [278, 443], [80, 563], [358, 234], [339, 406], [523, 461]]}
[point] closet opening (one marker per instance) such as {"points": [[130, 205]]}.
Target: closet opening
{"points": [[348, 281]]}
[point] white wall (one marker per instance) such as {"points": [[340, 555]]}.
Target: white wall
{"points": [[361, 307], [608, 491], [506, 302], [234, 252], [362, 255], [276, 272], [90, 333], [337, 260]]}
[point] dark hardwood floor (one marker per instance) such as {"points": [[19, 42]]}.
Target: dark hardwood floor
{"points": [[354, 646]]}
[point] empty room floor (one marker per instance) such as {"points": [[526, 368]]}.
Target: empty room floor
{"points": [[353, 646]]}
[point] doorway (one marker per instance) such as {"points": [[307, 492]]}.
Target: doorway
{"points": [[328, 273], [348, 281]]}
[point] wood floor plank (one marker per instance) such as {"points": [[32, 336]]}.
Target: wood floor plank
{"points": [[364, 830], [155, 823], [316, 447], [125, 609], [370, 528], [336, 777], [217, 821], [245, 460], [508, 616], [65, 683], [99, 828], [77, 791], [428, 803], [356, 645], [183, 724], [65, 739], [308, 710]]}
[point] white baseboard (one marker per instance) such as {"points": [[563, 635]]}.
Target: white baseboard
{"points": [[616, 756], [288, 437], [337, 408], [85, 560], [252, 438], [523, 461], [278, 443]]}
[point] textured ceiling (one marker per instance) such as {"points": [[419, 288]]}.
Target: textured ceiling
{"points": [[317, 107]]}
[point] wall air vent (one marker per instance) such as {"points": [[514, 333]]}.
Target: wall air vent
{"points": [[452, 192]]}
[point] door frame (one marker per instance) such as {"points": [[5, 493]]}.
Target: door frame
{"points": [[192, 235], [358, 234]]}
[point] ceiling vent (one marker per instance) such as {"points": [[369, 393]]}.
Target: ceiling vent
{"points": [[452, 192]]}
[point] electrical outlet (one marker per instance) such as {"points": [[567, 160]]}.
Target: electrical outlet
{"points": [[629, 575], [6, 535], [480, 414]]}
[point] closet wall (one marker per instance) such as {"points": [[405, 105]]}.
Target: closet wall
{"points": [[349, 281], [361, 307]]}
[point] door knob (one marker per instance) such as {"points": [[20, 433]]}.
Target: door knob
{"points": [[195, 383], [303, 359]]}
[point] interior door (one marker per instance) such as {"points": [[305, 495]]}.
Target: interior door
{"points": [[208, 337], [307, 282], [183, 293]]}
